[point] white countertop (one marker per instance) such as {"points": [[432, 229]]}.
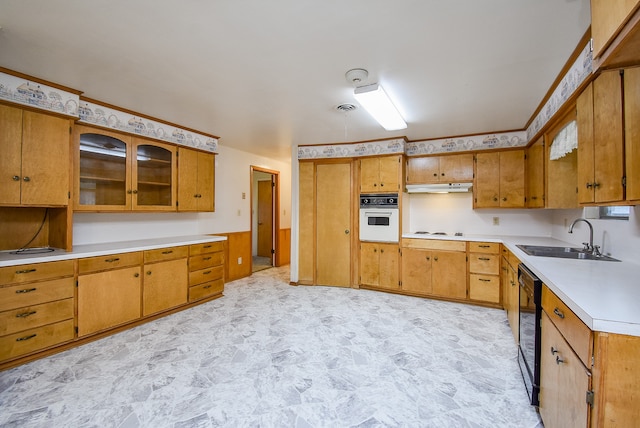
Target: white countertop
{"points": [[604, 295], [92, 250]]}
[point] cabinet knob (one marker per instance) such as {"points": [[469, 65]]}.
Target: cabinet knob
{"points": [[435, 258], [346, 232], [16, 178], [375, 184], [442, 174], [435, 175], [428, 258], [596, 185], [589, 185], [136, 275], [129, 192], [135, 191], [504, 199], [148, 272], [381, 250], [26, 178], [381, 184], [495, 199], [559, 360], [375, 250], [558, 312]]}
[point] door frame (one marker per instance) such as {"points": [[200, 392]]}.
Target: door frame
{"points": [[275, 204]]}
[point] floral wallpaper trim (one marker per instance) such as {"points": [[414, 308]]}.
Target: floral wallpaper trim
{"points": [[466, 144], [22, 91], [110, 118], [579, 71], [350, 150]]}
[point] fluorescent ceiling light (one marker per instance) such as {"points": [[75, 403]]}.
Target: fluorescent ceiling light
{"points": [[376, 101]]}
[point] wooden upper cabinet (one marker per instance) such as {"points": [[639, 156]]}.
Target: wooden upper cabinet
{"points": [[632, 133], [601, 141], [34, 160], [499, 180], [562, 173], [196, 180], [535, 174], [613, 22], [440, 169], [116, 172], [380, 174]]}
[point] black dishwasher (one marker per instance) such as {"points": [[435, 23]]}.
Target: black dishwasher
{"points": [[529, 331]]}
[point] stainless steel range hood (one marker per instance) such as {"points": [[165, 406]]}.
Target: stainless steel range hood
{"points": [[439, 188]]}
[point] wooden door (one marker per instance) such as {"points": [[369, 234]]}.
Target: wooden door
{"points": [[632, 132], [456, 168], [46, 163], [487, 182], [535, 174], [187, 179], [306, 226], [10, 155], [108, 299], [449, 274], [562, 173], [416, 271], [206, 182], [265, 218], [165, 286], [388, 274], [584, 117], [422, 170], [607, 17], [390, 173], [512, 179], [334, 200], [608, 137], [369, 264], [369, 175]]}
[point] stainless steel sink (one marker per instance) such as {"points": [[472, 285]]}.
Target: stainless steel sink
{"points": [[563, 252]]}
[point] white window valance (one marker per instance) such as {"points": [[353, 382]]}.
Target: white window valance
{"points": [[565, 141]]}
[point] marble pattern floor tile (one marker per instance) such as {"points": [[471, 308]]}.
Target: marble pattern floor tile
{"points": [[271, 355]]}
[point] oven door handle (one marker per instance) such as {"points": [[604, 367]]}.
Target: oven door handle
{"points": [[378, 214]]}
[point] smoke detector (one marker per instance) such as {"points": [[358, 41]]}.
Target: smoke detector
{"points": [[357, 76]]}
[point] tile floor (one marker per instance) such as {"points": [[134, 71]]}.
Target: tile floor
{"points": [[271, 355]]}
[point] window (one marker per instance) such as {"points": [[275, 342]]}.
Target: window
{"points": [[614, 213]]}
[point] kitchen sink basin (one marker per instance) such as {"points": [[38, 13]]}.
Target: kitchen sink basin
{"points": [[563, 253]]}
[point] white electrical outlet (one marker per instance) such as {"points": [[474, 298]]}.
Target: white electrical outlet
{"points": [[496, 221], [239, 213], [239, 260]]}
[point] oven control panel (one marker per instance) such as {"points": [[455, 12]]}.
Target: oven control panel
{"points": [[379, 200]]}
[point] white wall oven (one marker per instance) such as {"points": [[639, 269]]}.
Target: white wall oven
{"points": [[379, 217]]}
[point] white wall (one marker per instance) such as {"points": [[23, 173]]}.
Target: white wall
{"points": [[233, 214], [453, 212], [619, 238]]}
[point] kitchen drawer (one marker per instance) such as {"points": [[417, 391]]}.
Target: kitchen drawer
{"points": [[206, 275], [484, 287], [207, 289], [111, 261], [18, 296], [484, 247], [35, 316], [434, 244], [35, 272], [206, 260], [35, 339], [484, 263], [579, 336], [208, 247], [169, 253]]}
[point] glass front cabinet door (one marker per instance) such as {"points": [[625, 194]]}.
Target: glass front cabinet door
{"points": [[117, 172]]}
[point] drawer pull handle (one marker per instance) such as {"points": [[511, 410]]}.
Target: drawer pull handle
{"points": [[558, 312], [25, 314], [513, 284], [206, 273], [206, 258], [484, 280], [206, 246], [559, 360], [112, 260], [484, 259], [167, 252], [22, 339], [25, 271], [484, 246], [26, 290], [206, 286]]}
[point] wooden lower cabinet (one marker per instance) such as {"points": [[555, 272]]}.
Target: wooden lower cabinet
{"points": [[511, 291], [108, 299], [379, 265], [165, 286], [434, 268], [564, 381], [484, 272]]}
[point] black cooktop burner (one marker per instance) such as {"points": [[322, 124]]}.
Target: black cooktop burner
{"points": [[421, 232]]}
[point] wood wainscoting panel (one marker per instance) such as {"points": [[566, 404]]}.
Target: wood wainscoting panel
{"points": [[284, 250], [238, 246]]}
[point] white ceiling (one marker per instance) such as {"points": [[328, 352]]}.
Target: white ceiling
{"points": [[267, 74]]}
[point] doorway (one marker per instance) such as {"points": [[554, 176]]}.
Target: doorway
{"points": [[265, 221]]}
